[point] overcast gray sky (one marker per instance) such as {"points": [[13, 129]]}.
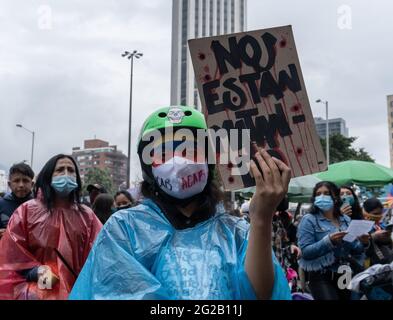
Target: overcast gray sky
{"points": [[65, 79]]}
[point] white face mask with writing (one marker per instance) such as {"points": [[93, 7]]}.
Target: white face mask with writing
{"points": [[181, 178]]}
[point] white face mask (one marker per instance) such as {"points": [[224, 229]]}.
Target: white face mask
{"points": [[181, 178]]}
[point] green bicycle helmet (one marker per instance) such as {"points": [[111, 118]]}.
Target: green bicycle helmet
{"points": [[176, 117]]}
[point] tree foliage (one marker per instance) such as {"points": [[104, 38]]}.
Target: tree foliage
{"points": [[341, 149], [100, 176]]}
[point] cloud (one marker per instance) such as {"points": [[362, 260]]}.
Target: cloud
{"points": [[70, 83], [349, 68]]}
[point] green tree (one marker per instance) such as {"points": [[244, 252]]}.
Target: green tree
{"points": [[341, 149], [100, 176]]}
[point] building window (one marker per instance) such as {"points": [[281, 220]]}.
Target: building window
{"points": [[232, 16], [218, 16], [242, 15], [204, 14], [225, 16], [211, 18], [196, 18], [196, 97], [183, 81]]}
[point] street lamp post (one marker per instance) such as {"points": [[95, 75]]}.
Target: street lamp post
{"points": [[327, 129], [32, 143], [130, 56]]}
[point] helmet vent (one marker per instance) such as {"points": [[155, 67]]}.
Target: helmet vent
{"points": [[162, 114], [187, 113]]}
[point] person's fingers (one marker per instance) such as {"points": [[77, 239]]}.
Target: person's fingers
{"points": [[251, 170], [339, 235], [271, 164], [286, 172], [257, 175], [266, 172]]}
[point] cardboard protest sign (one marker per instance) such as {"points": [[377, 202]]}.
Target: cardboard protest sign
{"points": [[253, 80]]}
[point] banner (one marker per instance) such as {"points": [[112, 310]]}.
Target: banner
{"points": [[253, 81]]}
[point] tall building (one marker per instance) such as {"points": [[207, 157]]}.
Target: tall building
{"points": [[195, 19], [336, 126], [390, 124], [99, 154]]}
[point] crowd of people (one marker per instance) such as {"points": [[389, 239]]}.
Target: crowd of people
{"points": [[311, 247], [175, 242]]}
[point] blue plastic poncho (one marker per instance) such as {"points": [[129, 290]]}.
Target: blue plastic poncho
{"points": [[139, 255]]}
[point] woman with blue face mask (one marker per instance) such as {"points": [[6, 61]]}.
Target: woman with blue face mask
{"points": [[351, 206], [321, 238], [48, 238]]}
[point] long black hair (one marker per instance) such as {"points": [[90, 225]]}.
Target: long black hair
{"points": [[44, 181], [357, 213], [334, 192], [102, 206]]}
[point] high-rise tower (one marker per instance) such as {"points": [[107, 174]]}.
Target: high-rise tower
{"points": [[195, 19]]}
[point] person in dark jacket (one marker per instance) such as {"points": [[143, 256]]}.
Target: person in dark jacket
{"points": [[94, 190], [21, 184], [380, 250], [104, 206]]}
